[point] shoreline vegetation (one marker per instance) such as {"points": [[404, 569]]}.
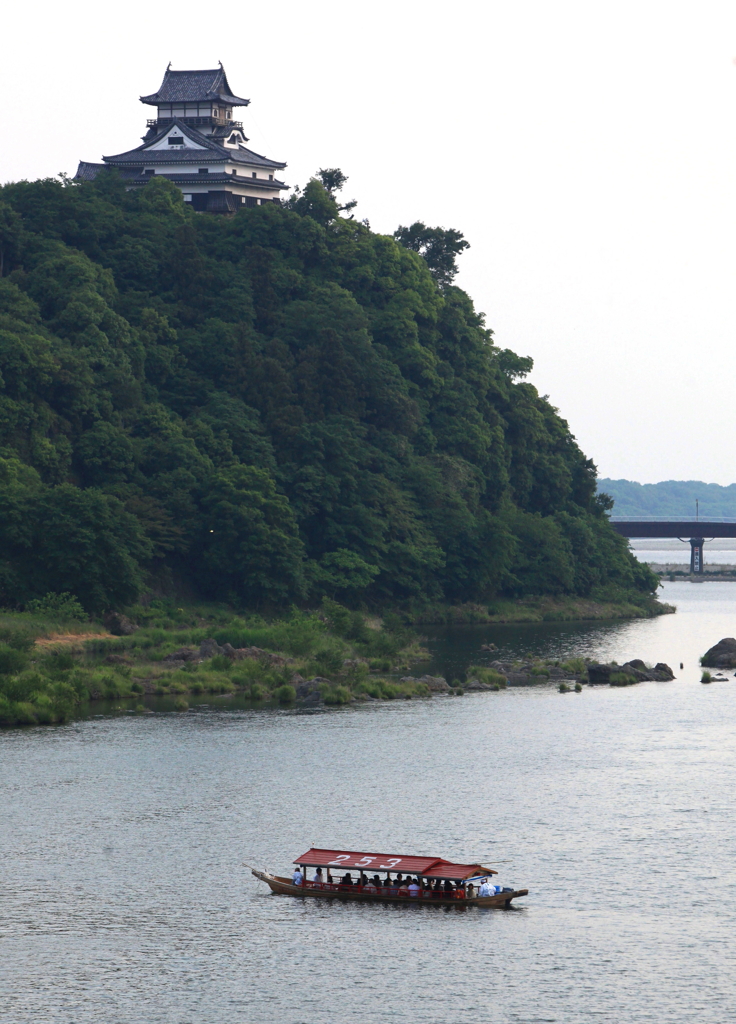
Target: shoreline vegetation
{"points": [[53, 663], [542, 609]]}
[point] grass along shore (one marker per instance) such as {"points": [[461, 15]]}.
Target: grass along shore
{"points": [[51, 665], [542, 609], [52, 661]]}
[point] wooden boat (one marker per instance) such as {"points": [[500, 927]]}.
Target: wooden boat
{"points": [[461, 882]]}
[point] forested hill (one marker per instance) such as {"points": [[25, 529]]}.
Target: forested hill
{"points": [[269, 408], [669, 498]]}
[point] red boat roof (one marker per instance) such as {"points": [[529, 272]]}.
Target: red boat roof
{"points": [[367, 861], [447, 870], [433, 867]]}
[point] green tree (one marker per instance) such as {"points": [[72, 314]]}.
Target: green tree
{"points": [[250, 545], [438, 247]]}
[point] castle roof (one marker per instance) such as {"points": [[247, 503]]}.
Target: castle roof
{"points": [[195, 87], [210, 151]]}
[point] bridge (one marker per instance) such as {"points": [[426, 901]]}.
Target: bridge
{"points": [[682, 527]]}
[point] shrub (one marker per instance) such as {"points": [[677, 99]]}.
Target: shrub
{"points": [[563, 688], [622, 679], [218, 684], [12, 660], [180, 704], [487, 675], [285, 694], [59, 661], [22, 687], [64, 606], [356, 674], [18, 639], [24, 714], [371, 687], [575, 666], [337, 695], [706, 677], [328, 661]]}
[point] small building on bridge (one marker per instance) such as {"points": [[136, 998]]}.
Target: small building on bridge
{"points": [[195, 143]]}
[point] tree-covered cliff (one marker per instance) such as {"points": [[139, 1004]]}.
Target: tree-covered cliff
{"points": [[269, 408]]}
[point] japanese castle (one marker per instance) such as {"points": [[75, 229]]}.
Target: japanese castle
{"points": [[196, 144]]}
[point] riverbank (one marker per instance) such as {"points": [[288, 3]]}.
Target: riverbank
{"points": [[49, 669], [541, 609]]}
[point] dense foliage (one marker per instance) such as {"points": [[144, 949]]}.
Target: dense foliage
{"points": [[270, 408], [670, 498]]}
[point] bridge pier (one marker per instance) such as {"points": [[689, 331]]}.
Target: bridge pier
{"points": [[696, 554]]}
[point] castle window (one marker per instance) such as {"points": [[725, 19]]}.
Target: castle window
{"points": [[176, 141], [270, 177], [253, 174], [149, 170], [203, 170]]}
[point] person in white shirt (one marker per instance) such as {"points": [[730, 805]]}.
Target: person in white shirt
{"points": [[486, 889], [414, 888], [298, 877], [317, 880]]}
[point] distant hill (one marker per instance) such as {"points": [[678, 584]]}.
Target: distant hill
{"points": [[669, 498]]}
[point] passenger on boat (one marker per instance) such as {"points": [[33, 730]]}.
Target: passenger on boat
{"points": [[368, 885], [414, 888], [377, 881], [347, 880], [437, 891], [486, 889], [449, 887], [317, 880], [399, 880], [393, 887], [298, 877]]}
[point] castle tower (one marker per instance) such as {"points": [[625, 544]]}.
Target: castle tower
{"points": [[195, 143]]}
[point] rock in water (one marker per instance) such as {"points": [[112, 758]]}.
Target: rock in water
{"points": [[599, 675], [723, 655]]}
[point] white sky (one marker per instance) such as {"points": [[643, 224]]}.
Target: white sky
{"points": [[586, 149]]}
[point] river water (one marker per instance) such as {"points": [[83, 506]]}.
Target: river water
{"points": [[124, 899]]}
